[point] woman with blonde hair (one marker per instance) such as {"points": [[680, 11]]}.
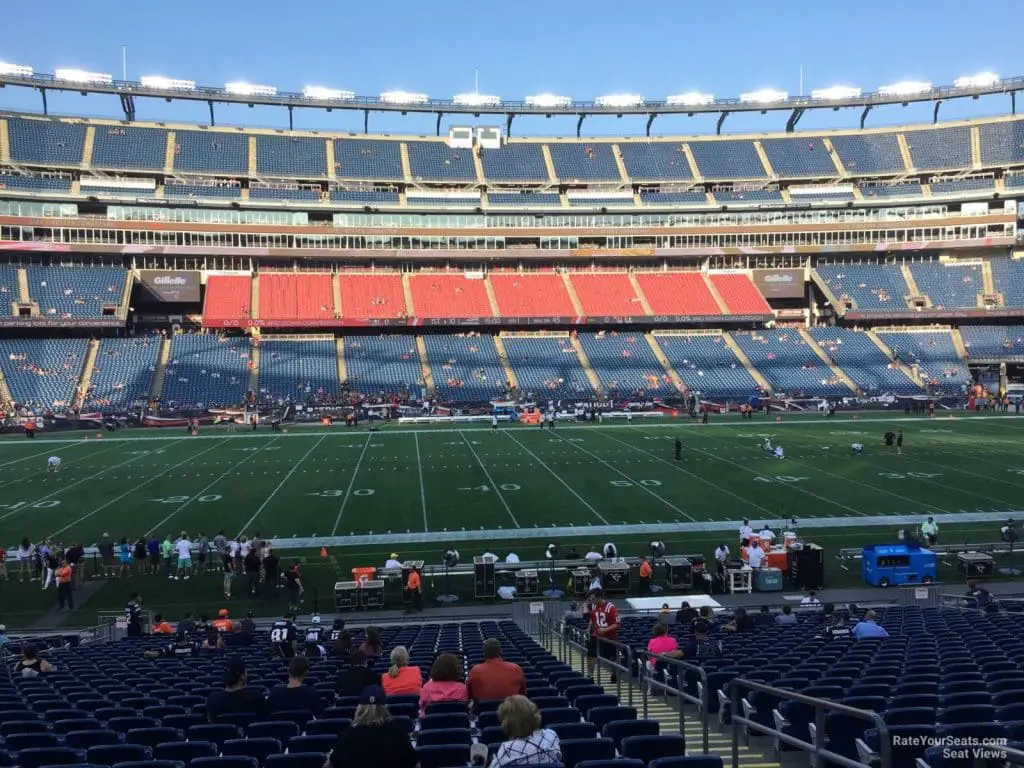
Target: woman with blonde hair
{"points": [[528, 743], [374, 740], [401, 678]]}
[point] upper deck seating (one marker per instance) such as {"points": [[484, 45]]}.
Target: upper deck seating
{"points": [[547, 367], [1008, 277], [75, 292], [606, 294], [383, 364], [213, 152], [937, 149], [893, 190], [285, 194], [123, 372], [935, 354], [673, 198], [655, 161], [626, 365], [366, 197], [789, 365], [45, 142], [298, 296], [231, 191], [515, 161], [872, 287], [727, 159], [708, 365], [804, 157], [511, 199], [466, 367], [43, 373], [1002, 143], [442, 201], [372, 295], [862, 360], [867, 154], [439, 294], [368, 159], [584, 161], [592, 201], [436, 161], [35, 183], [298, 370], [749, 196], [949, 286], [301, 157], [206, 369], [540, 294], [740, 294], [678, 293], [8, 289], [228, 298], [994, 342], [961, 185], [129, 147]]}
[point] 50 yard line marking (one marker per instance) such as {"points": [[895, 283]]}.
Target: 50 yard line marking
{"points": [[280, 485], [423, 491], [557, 477], [490, 479], [351, 483]]}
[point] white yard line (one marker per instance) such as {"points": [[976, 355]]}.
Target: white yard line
{"points": [[235, 466], [70, 462], [90, 479], [351, 484], [490, 479], [638, 484], [133, 489], [557, 477], [423, 490], [280, 486]]}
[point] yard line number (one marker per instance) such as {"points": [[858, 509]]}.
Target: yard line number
{"points": [[27, 505], [334, 493]]}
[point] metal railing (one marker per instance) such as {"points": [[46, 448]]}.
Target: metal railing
{"points": [[817, 749], [649, 683]]}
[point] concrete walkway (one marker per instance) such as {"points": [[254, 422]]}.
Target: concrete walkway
{"points": [[56, 617]]}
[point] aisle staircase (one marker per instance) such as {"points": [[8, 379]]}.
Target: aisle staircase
{"points": [[545, 150], [169, 152], [85, 380], [987, 280], [23, 293], [331, 161], [253, 384], [901, 141], [336, 294], [5, 391], [410, 308], [958, 344], [87, 145], [339, 344], [722, 306], [975, 148], [755, 374], [674, 377], [253, 165], [254, 296], [162, 359], [765, 162], [581, 355], [620, 164], [403, 149], [912, 290], [573, 298], [633, 281], [428, 374], [887, 350], [838, 372], [510, 375], [492, 300], [5, 143], [836, 160]]}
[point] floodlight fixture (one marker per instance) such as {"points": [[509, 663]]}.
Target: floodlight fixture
{"points": [[240, 88], [764, 96], [981, 80], [836, 92], [327, 94], [167, 83], [81, 76], [16, 70], [403, 97], [476, 100], [548, 100], [619, 100], [690, 99], [905, 88]]}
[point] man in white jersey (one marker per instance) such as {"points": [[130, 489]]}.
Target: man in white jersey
{"points": [[53, 463], [857, 447], [184, 549], [777, 453]]}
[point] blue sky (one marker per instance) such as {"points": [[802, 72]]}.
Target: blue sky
{"points": [[578, 49]]}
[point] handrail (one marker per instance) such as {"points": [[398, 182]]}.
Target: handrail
{"points": [[577, 639], [817, 749], [649, 682]]}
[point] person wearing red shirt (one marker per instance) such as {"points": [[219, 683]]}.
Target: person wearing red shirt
{"points": [[495, 678], [604, 623], [3, 564]]}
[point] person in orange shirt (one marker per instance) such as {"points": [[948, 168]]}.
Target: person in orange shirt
{"points": [[401, 678], [645, 576], [64, 595], [161, 626], [414, 589], [222, 623]]}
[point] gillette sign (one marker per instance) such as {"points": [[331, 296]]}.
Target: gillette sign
{"points": [[780, 283], [171, 286]]}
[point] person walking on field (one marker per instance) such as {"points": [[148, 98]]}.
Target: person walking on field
{"points": [[899, 443]]}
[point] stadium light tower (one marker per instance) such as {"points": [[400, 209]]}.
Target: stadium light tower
{"points": [[690, 99], [548, 100], [167, 83], [327, 94], [905, 88], [620, 100], [83, 77], [763, 96], [982, 80], [476, 100], [404, 97], [15, 70], [241, 88], [836, 92]]}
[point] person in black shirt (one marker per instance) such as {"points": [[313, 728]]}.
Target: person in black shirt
{"points": [[247, 624], [271, 563], [679, 449], [765, 617], [296, 697], [252, 567], [235, 698], [187, 624], [836, 627], [701, 645], [981, 597], [293, 583], [352, 681], [741, 622], [133, 612], [685, 614], [182, 647], [374, 740], [282, 636], [227, 564]]}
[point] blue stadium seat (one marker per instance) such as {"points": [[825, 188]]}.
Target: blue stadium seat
{"points": [[42, 372], [291, 156], [465, 368], [364, 197], [655, 161], [111, 754], [123, 373], [934, 353], [673, 198], [949, 286], [891, 190], [1002, 143], [75, 292], [585, 161], [936, 149], [960, 186], [52, 183], [128, 147], [206, 369], [387, 364], [576, 751], [727, 159], [46, 143], [232, 191], [752, 196], [91, 738], [234, 761], [804, 157], [789, 364], [515, 162], [298, 370], [436, 161], [862, 360], [185, 751], [625, 364], [871, 287], [867, 154], [443, 736], [617, 730], [444, 756], [368, 159], [151, 737], [37, 758], [212, 152], [994, 342]]}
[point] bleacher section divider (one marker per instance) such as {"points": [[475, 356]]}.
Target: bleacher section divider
{"points": [[163, 358], [907, 370], [478, 166], [549, 163], [913, 292], [90, 140], [336, 294], [5, 392], [755, 374], [5, 143], [339, 346], [576, 306], [714, 292], [254, 301], [838, 372], [406, 165], [253, 158], [588, 369], [23, 294], [975, 148], [620, 163], [644, 304], [988, 281], [254, 368], [908, 163], [659, 353], [331, 161], [836, 160], [172, 143], [85, 377], [410, 308], [428, 374], [958, 344], [765, 162], [510, 375], [492, 300]]}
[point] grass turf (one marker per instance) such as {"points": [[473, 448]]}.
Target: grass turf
{"points": [[505, 489]]}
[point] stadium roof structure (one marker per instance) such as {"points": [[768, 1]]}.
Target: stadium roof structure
{"points": [[397, 102]]}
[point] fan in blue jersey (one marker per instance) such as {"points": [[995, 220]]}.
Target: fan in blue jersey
{"points": [[283, 634]]}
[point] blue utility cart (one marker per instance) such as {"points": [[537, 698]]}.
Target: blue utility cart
{"points": [[885, 564]]}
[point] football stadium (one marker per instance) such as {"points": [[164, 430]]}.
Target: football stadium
{"points": [[649, 450]]}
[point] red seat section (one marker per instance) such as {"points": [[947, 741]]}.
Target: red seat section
{"points": [[448, 295], [372, 296], [606, 293], [296, 296], [228, 300], [740, 294], [531, 295], [678, 293]]}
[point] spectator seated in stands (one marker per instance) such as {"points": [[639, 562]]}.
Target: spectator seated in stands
{"points": [[296, 697], [702, 646], [787, 617], [183, 647], [495, 678], [445, 683], [374, 740], [401, 678], [371, 645], [30, 665], [161, 626], [235, 698], [354, 680], [741, 622], [869, 627], [528, 743], [662, 643]]}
